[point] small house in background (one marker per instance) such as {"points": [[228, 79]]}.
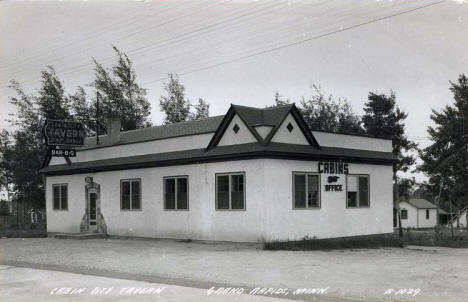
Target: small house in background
{"points": [[418, 213]]}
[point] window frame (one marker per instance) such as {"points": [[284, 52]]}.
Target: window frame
{"points": [[176, 200], [427, 214], [130, 201], [60, 185], [358, 206], [230, 174], [406, 216], [319, 184]]}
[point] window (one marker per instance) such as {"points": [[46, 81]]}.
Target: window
{"points": [[176, 193], [427, 214], [404, 214], [60, 197], [230, 191], [306, 191], [357, 191], [130, 194]]}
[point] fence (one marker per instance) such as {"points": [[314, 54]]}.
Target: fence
{"points": [[24, 220]]}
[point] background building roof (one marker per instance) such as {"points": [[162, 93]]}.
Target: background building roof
{"points": [[207, 125], [421, 203]]}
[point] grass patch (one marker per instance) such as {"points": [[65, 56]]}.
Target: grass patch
{"points": [[441, 237], [23, 233], [427, 237], [308, 243]]}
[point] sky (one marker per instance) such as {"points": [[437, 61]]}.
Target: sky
{"points": [[242, 52]]}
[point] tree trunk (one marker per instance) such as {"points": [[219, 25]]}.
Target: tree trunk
{"points": [[466, 216], [451, 220], [437, 217]]}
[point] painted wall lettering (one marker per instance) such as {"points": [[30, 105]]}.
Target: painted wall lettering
{"points": [[333, 188], [333, 168]]}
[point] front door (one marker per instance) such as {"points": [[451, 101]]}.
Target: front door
{"points": [[92, 206]]}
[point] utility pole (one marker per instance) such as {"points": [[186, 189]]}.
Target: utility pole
{"points": [[463, 162]]}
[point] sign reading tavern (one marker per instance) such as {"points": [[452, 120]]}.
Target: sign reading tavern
{"points": [[64, 133]]}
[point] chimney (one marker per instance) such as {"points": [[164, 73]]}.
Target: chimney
{"points": [[113, 129]]}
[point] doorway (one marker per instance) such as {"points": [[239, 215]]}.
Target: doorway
{"points": [[92, 206]]}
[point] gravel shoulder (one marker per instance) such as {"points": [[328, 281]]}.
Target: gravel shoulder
{"points": [[441, 274]]}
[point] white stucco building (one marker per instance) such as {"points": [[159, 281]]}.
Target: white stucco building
{"points": [[418, 213], [249, 175]]}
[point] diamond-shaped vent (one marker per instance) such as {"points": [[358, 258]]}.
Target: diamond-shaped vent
{"points": [[235, 128], [290, 127]]}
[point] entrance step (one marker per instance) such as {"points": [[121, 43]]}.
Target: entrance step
{"points": [[80, 236]]}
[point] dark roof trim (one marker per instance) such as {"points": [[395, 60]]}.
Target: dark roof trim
{"points": [[260, 125], [251, 129], [197, 156], [84, 148], [232, 112], [221, 129]]}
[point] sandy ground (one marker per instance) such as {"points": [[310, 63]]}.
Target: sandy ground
{"points": [[440, 274], [26, 284]]}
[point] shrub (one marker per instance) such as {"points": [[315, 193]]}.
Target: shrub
{"points": [[307, 243], [4, 208]]}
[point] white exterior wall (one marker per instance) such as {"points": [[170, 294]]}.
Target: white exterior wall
{"points": [[352, 141], [283, 135], [243, 136], [202, 221], [263, 131], [427, 223], [417, 217], [268, 215], [412, 221], [156, 146], [333, 219], [461, 220]]}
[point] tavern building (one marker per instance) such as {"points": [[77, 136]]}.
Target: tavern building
{"points": [[250, 175]]}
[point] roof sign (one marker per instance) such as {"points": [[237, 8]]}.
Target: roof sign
{"points": [[63, 133]]}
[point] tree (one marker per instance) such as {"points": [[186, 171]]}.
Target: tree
{"points": [[27, 150], [445, 160], [52, 101], [174, 104], [326, 113], [202, 110], [22, 151], [120, 94], [383, 118], [4, 208], [176, 107], [82, 110], [279, 101], [405, 188], [6, 156]]}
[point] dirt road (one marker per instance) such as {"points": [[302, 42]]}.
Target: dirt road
{"points": [[436, 274]]}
